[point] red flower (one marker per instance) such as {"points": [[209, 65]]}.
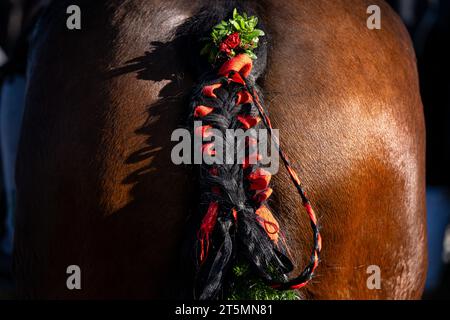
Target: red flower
{"points": [[224, 48], [231, 42]]}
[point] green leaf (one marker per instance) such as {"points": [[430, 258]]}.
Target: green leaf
{"points": [[235, 13], [235, 25], [255, 21], [251, 23], [261, 33], [255, 34], [242, 24], [251, 54]]}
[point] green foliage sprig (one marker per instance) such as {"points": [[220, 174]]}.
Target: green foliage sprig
{"points": [[221, 42], [247, 286]]}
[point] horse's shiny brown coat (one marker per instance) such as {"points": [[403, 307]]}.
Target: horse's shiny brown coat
{"points": [[97, 188]]}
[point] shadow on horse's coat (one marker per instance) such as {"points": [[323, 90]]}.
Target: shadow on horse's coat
{"points": [[154, 157], [97, 188]]}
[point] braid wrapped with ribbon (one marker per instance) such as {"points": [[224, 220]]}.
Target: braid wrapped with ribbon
{"points": [[236, 221]]}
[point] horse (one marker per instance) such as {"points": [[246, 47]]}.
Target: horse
{"points": [[96, 186]]}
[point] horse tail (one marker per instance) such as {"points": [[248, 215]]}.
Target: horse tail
{"points": [[235, 221]]}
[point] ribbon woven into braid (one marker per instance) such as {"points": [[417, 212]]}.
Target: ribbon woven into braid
{"points": [[236, 218]]}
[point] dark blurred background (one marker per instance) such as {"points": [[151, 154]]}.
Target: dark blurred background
{"points": [[429, 27], [428, 24]]}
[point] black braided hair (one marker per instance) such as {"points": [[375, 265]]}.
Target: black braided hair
{"points": [[228, 225], [240, 234]]}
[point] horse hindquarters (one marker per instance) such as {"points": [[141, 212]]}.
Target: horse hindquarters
{"points": [[349, 112], [97, 188]]}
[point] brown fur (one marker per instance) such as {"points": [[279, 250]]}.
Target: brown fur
{"points": [[96, 186]]}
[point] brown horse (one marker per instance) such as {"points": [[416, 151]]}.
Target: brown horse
{"points": [[97, 187]]}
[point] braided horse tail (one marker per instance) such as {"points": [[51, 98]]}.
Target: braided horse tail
{"points": [[235, 221]]}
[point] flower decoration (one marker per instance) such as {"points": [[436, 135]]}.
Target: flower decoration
{"points": [[228, 38]]}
